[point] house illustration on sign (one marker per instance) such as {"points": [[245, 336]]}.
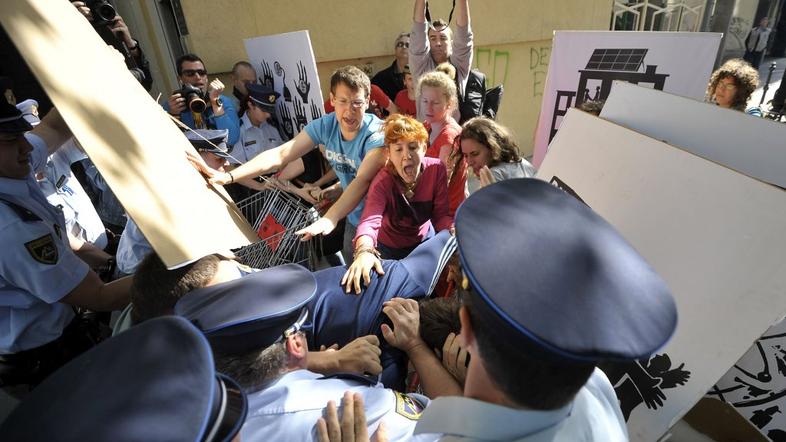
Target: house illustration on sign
{"points": [[605, 66]]}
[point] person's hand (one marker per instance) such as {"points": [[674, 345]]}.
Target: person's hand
{"points": [[213, 176], [361, 268], [486, 178], [305, 194], [177, 104], [331, 193], [405, 316], [120, 29], [84, 10], [359, 356], [454, 358], [215, 89], [322, 226], [352, 427]]}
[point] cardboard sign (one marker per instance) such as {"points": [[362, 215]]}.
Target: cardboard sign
{"points": [[716, 237], [584, 64], [129, 137], [286, 63], [750, 145]]}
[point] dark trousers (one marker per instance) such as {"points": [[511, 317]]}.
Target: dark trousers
{"points": [[754, 58]]}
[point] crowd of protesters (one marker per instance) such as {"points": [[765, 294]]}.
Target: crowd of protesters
{"points": [[448, 313]]}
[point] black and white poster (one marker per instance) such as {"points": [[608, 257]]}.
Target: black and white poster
{"points": [[716, 237], [286, 63], [584, 64]]}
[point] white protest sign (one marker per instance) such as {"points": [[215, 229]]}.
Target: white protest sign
{"points": [[716, 237], [750, 145], [286, 63], [584, 64], [756, 384], [130, 138]]}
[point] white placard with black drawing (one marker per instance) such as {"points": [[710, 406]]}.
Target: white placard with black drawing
{"points": [[756, 384], [715, 236], [286, 62], [584, 64]]}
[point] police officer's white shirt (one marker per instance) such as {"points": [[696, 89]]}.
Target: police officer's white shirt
{"points": [[594, 415], [254, 140], [289, 408], [63, 190], [33, 278], [131, 249]]}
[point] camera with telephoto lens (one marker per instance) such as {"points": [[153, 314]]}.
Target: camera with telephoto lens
{"points": [[195, 99], [103, 12]]}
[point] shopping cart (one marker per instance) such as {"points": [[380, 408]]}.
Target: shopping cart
{"points": [[276, 216]]}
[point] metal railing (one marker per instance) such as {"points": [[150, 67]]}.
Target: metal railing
{"points": [[657, 15]]}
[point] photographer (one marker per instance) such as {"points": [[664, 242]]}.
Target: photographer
{"points": [[190, 104], [114, 31]]}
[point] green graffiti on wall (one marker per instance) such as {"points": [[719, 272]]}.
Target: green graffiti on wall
{"points": [[494, 64]]}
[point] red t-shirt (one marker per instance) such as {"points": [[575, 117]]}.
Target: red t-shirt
{"points": [[404, 104], [376, 103], [458, 181]]}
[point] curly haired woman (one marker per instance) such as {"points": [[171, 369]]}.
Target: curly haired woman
{"points": [[732, 85]]}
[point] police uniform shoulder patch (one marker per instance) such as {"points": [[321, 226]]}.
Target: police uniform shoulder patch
{"points": [[408, 407], [43, 249]]}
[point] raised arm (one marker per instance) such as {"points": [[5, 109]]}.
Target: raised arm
{"points": [[53, 130], [351, 197], [419, 15], [462, 17], [268, 160]]}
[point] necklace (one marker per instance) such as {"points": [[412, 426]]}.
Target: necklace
{"points": [[409, 191]]}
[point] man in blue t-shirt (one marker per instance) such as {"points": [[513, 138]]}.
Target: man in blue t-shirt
{"points": [[351, 138]]}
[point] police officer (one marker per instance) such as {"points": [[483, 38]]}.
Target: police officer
{"points": [[155, 382], [254, 325], [256, 133], [40, 277], [63, 189], [562, 292]]}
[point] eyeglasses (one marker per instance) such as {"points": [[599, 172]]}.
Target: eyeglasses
{"points": [[192, 72], [726, 86], [402, 44], [344, 102]]}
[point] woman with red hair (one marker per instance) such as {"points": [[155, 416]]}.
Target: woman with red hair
{"points": [[406, 202]]}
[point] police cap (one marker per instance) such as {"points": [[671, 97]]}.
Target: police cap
{"points": [[263, 96], [251, 312], [556, 278], [155, 381], [210, 140]]}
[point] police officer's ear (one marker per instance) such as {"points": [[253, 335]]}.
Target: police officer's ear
{"points": [[297, 349], [467, 336]]}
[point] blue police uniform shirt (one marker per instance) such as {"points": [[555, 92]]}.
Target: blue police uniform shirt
{"points": [[254, 140], [131, 249], [288, 409], [229, 120], [593, 415], [37, 266], [64, 191], [338, 318], [345, 156]]}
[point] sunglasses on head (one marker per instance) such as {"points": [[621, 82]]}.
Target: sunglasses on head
{"points": [[192, 72]]}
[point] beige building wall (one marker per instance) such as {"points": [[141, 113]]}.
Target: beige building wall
{"points": [[512, 38]]}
